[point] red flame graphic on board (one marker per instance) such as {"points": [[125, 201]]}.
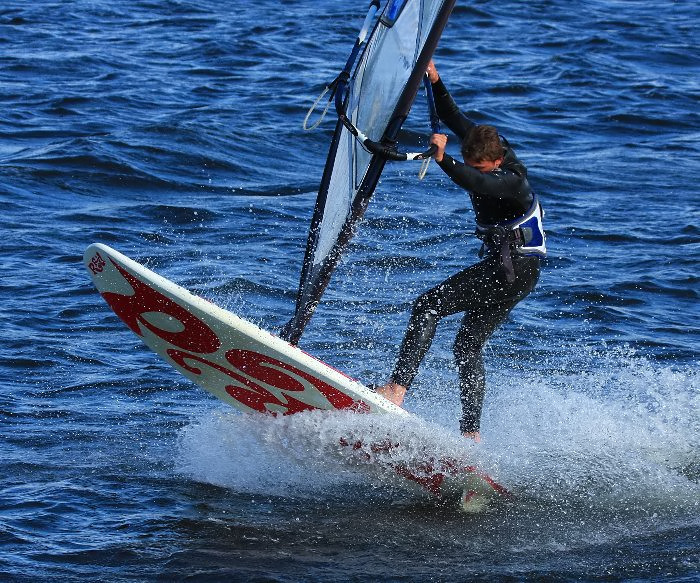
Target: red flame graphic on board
{"points": [[250, 370], [195, 335]]}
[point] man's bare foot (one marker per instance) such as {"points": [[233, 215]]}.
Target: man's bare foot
{"points": [[392, 392], [475, 435]]}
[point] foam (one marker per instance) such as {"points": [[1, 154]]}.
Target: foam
{"points": [[621, 435]]}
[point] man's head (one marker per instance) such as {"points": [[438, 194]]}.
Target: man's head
{"points": [[482, 149]]}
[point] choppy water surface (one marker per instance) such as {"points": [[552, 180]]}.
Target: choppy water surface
{"points": [[172, 131]]}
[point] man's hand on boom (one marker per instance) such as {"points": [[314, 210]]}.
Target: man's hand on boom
{"points": [[431, 71], [440, 140]]}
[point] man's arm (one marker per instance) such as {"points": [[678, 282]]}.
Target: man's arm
{"points": [[498, 184], [447, 110]]}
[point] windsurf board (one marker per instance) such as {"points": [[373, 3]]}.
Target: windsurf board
{"points": [[257, 372]]}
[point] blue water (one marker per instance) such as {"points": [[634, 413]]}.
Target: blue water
{"points": [[172, 131]]}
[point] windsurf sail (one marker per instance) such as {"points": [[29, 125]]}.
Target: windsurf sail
{"points": [[372, 95]]}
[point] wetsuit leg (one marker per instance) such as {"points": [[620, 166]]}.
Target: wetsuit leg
{"points": [[484, 293], [473, 334], [425, 316]]}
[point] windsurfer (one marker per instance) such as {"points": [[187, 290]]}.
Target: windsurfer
{"points": [[508, 218]]}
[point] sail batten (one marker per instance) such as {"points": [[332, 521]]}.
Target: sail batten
{"points": [[375, 98]]}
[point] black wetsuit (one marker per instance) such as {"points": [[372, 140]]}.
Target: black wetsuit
{"points": [[484, 291]]}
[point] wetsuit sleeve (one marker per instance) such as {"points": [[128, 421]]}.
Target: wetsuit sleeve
{"points": [[449, 113], [499, 184]]}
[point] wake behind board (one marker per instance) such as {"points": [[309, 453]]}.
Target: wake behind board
{"points": [[249, 368]]}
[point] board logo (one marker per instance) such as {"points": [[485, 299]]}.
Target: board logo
{"points": [[97, 264]]}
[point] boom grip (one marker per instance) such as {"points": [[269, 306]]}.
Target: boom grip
{"points": [[428, 153], [391, 153]]}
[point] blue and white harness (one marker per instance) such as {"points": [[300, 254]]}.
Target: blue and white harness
{"points": [[523, 236]]}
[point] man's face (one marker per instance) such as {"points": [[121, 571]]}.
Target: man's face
{"points": [[485, 165]]}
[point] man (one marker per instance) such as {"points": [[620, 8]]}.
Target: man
{"points": [[508, 218]]}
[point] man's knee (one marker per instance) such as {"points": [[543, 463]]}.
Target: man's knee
{"points": [[425, 310], [467, 348]]}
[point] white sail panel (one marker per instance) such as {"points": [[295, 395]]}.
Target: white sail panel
{"points": [[379, 94]]}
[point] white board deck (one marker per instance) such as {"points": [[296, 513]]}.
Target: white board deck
{"points": [[233, 359]]}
